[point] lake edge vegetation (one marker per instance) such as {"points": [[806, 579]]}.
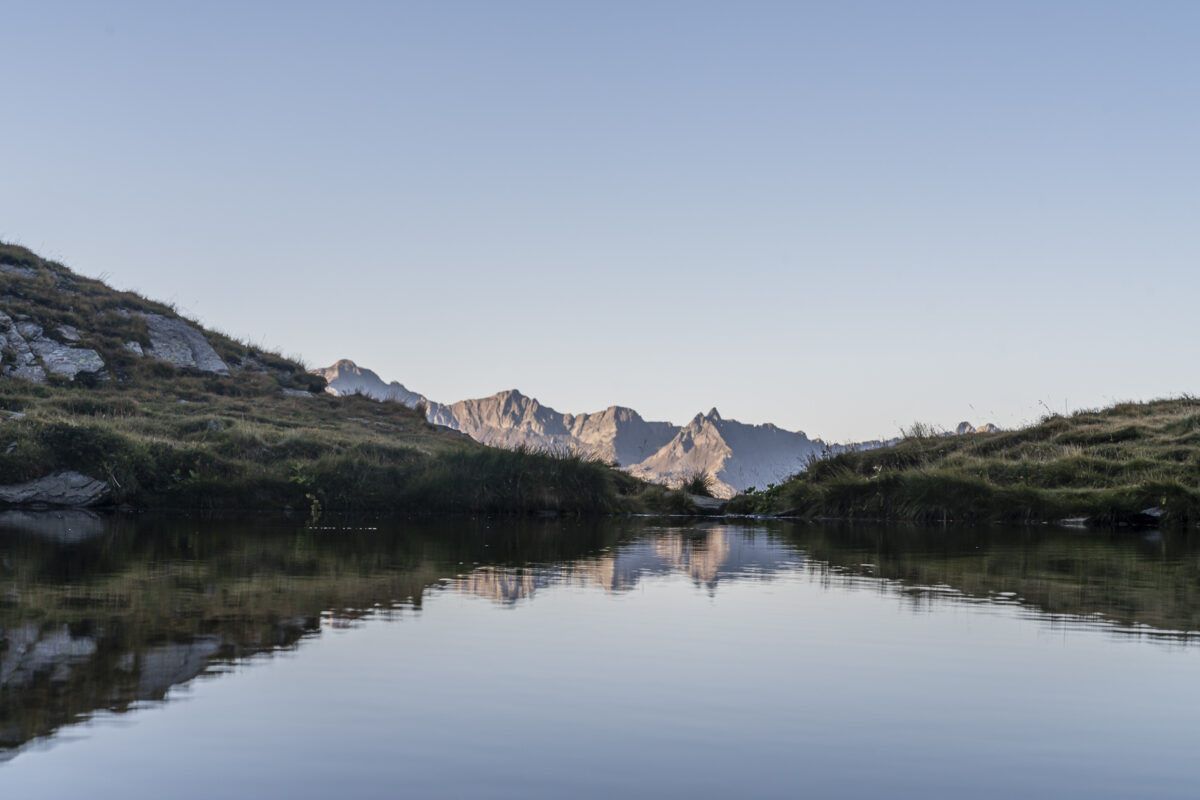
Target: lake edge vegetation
{"points": [[1135, 463]]}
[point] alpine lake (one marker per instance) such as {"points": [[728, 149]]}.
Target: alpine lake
{"points": [[168, 657]]}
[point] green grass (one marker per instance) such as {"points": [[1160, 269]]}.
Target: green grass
{"points": [[164, 437], [699, 483], [1108, 465]]}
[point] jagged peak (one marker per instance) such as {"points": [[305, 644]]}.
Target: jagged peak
{"points": [[621, 412], [713, 415]]}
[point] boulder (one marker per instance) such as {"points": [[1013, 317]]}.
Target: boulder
{"points": [[67, 488], [707, 505], [59, 359], [181, 345]]}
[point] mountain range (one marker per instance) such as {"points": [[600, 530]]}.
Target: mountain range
{"points": [[736, 455]]}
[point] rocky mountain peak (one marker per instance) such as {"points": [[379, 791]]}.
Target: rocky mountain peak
{"points": [[513, 396], [964, 428], [736, 454], [345, 377]]}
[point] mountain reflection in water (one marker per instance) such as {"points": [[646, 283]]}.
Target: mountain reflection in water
{"points": [[706, 555], [105, 614]]}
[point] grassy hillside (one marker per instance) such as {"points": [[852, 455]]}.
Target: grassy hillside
{"points": [[169, 437], [1108, 466]]}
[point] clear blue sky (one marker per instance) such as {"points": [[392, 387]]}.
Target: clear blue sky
{"points": [[839, 217]]}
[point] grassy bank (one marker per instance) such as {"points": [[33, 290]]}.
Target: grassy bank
{"points": [[1107, 465], [178, 444], [168, 437]]}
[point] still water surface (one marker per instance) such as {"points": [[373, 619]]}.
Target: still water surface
{"points": [[168, 658]]}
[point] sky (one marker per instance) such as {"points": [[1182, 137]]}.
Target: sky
{"points": [[839, 217]]}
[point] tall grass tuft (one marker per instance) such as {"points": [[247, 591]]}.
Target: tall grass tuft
{"points": [[698, 482]]}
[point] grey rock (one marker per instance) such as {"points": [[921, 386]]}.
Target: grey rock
{"points": [[135, 348], [1154, 512], [66, 361], [297, 393], [34, 374], [66, 488], [30, 330], [712, 505], [68, 333], [15, 342], [20, 272], [25, 340], [181, 345]]}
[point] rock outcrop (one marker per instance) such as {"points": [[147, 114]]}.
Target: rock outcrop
{"points": [[68, 488], [36, 355], [18, 271], [181, 345]]}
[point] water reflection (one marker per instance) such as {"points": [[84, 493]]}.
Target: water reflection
{"points": [[106, 614], [705, 554]]}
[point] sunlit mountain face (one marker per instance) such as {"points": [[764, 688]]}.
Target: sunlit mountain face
{"points": [[735, 454]]}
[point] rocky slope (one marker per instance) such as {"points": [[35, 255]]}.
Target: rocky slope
{"points": [[736, 455], [108, 398], [510, 419], [58, 326]]}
